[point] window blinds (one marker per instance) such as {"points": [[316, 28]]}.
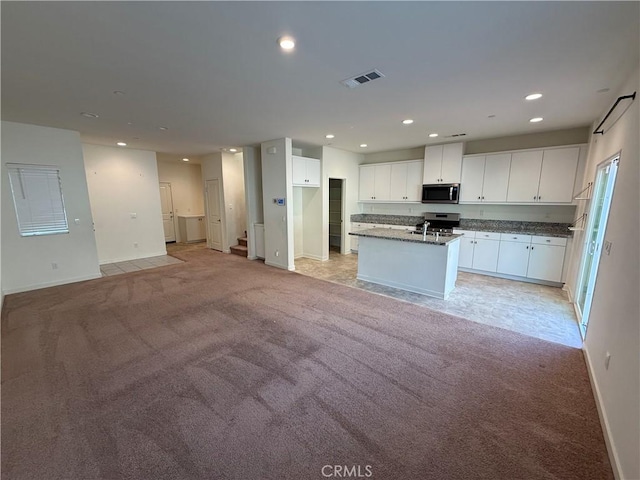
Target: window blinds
{"points": [[37, 197]]}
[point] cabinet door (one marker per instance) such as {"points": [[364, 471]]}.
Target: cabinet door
{"points": [[513, 258], [299, 174], [451, 163], [546, 262], [367, 182], [465, 259], [496, 177], [382, 182], [558, 175], [485, 255], [313, 172], [524, 177], [472, 175], [414, 181], [432, 164], [398, 183]]}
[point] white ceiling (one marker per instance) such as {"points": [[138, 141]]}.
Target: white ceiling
{"points": [[213, 74]]}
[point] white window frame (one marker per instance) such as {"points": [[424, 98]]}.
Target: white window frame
{"points": [[38, 200]]}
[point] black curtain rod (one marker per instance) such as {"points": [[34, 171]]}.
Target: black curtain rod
{"points": [[624, 97]]}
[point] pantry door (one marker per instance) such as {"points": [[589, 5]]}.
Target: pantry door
{"points": [[166, 201], [214, 220]]}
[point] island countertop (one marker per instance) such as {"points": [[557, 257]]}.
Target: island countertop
{"points": [[407, 236]]}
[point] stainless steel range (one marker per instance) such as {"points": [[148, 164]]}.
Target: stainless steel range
{"points": [[439, 222]]}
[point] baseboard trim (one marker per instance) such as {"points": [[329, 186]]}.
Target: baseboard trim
{"points": [[38, 286], [604, 423], [312, 257]]}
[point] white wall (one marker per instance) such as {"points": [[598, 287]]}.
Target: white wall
{"points": [[253, 195], [186, 189], [614, 323], [340, 164], [313, 231], [278, 220], [27, 261], [123, 183]]}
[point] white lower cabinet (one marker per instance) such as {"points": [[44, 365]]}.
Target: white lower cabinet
{"points": [[513, 258], [527, 256], [192, 228], [478, 250], [547, 258]]}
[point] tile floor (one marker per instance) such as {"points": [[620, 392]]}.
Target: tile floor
{"points": [[110, 269], [536, 310]]}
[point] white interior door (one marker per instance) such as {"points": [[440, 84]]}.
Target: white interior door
{"points": [[214, 220], [166, 201]]}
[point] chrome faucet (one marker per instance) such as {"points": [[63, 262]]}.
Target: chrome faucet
{"points": [[424, 230]]}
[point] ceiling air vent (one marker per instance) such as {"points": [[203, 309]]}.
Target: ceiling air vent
{"points": [[456, 135], [361, 79]]}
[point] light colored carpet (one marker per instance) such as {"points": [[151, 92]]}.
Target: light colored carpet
{"points": [[223, 368]]}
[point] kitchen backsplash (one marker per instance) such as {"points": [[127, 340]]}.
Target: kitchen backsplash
{"points": [[522, 213]]}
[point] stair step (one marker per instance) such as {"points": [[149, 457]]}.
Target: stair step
{"points": [[239, 250], [242, 241]]}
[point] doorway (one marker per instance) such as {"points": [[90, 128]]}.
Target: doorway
{"points": [[336, 215], [594, 238], [166, 202], [214, 220]]}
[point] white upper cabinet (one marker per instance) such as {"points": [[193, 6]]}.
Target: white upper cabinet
{"points": [[496, 177], [375, 182], [524, 177], [485, 178], [543, 176], [406, 181], [558, 175], [305, 171], [442, 163], [472, 179]]}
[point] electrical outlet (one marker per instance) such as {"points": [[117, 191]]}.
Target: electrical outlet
{"points": [[277, 254], [607, 359], [54, 266], [481, 213], [607, 247], [135, 244]]}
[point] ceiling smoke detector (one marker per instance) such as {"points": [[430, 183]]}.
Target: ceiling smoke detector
{"points": [[362, 79]]}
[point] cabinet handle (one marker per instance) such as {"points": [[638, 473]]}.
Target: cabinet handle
{"points": [[515, 238], [548, 241], [539, 198], [531, 248], [527, 247], [534, 197], [478, 198], [483, 198]]}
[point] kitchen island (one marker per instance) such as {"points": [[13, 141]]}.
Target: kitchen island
{"points": [[408, 260]]}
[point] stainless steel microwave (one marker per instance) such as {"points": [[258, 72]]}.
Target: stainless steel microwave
{"points": [[441, 193]]}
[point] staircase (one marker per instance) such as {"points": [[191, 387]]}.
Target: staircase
{"points": [[241, 248]]}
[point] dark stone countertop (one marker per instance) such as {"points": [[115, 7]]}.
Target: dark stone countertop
{"points": [[405, 236], [499, 226]]}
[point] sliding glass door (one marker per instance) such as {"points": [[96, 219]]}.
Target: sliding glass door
{"points": [[594, 237]]}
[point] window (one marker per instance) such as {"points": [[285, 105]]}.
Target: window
{"points": [[37, 197]]}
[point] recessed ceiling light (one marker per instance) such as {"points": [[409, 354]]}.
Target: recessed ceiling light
{"points": [[533, 96], [363, 145], [185, 159], [121, 144], [89, 115], [491, 116], [536, 120], [163, 128], [330, 136], [118, 92], [602, 90], [433, 135], [286, 43], [233, 150], [408, 121]]}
